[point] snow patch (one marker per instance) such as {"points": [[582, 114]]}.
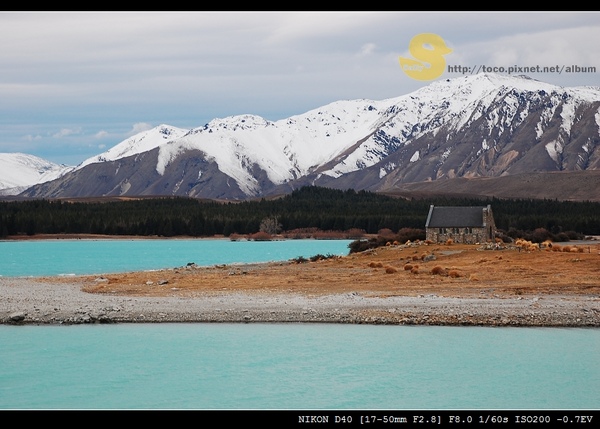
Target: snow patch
{"points": [[383, 171], [554, 149], [415, 157], [568, 116], [167, 153]]}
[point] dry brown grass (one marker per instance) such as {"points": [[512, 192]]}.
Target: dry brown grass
{"points": [[506, 272]]}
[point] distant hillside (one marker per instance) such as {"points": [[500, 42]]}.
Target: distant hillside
{"points": [[562, 186]]}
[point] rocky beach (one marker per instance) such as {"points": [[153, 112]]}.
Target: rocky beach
{"points": [[27, 301], [405, 285]]}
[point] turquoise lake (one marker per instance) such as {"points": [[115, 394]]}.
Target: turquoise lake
{"points": [[74, 257]]}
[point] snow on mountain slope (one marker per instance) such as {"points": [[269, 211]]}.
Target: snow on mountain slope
{"points": [[285, 149], [19, 171], [141, 142], [498, 104], [350, 135], [471, 126]]}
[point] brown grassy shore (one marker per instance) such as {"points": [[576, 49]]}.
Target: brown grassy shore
{"points": [[397, 284], [451, 271]]}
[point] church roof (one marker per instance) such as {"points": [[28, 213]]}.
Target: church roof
{"points": [[455, 217]]}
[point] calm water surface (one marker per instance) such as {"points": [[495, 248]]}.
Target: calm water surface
{"points": [[297, 366], [64, 257]]}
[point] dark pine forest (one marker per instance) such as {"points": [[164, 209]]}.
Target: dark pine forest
{"points": [[308, 208]]}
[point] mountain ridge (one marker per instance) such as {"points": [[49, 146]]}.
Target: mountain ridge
{"points": [[21, 170], [474, 126]]}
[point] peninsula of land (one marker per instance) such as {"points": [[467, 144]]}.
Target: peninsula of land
{"points": [[408, 284]]}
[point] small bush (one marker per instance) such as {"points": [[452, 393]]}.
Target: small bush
{"points": [[390, 270], [415, 270], [408, 267], [454, 273], [385, 232], [261, 236], [437, 270]]}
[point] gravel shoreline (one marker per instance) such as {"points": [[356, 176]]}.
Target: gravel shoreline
{"points": [[31, 301]]}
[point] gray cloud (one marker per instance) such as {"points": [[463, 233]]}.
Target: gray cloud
{"points": [[102, 72]]}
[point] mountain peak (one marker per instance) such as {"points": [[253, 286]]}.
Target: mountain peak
{"points": [[20, 171], [138, 143], [482, 125]]}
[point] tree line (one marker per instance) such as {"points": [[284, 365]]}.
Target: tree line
{"points": [[305, 208]]}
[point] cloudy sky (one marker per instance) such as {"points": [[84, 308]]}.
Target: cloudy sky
{"points": [[74, 84]]}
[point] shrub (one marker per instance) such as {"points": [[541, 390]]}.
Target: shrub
{"points": [[355, 233], [539, 235], [415, 270], [319, 257], [385, 232], [453, 273], [437, 270], [408, 267], [390, 270], [260, 236], [412, 234], [270, 226]]}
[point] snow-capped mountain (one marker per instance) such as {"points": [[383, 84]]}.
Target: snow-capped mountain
{"points": [[141, 142], [473, 126], [19, 171]]}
